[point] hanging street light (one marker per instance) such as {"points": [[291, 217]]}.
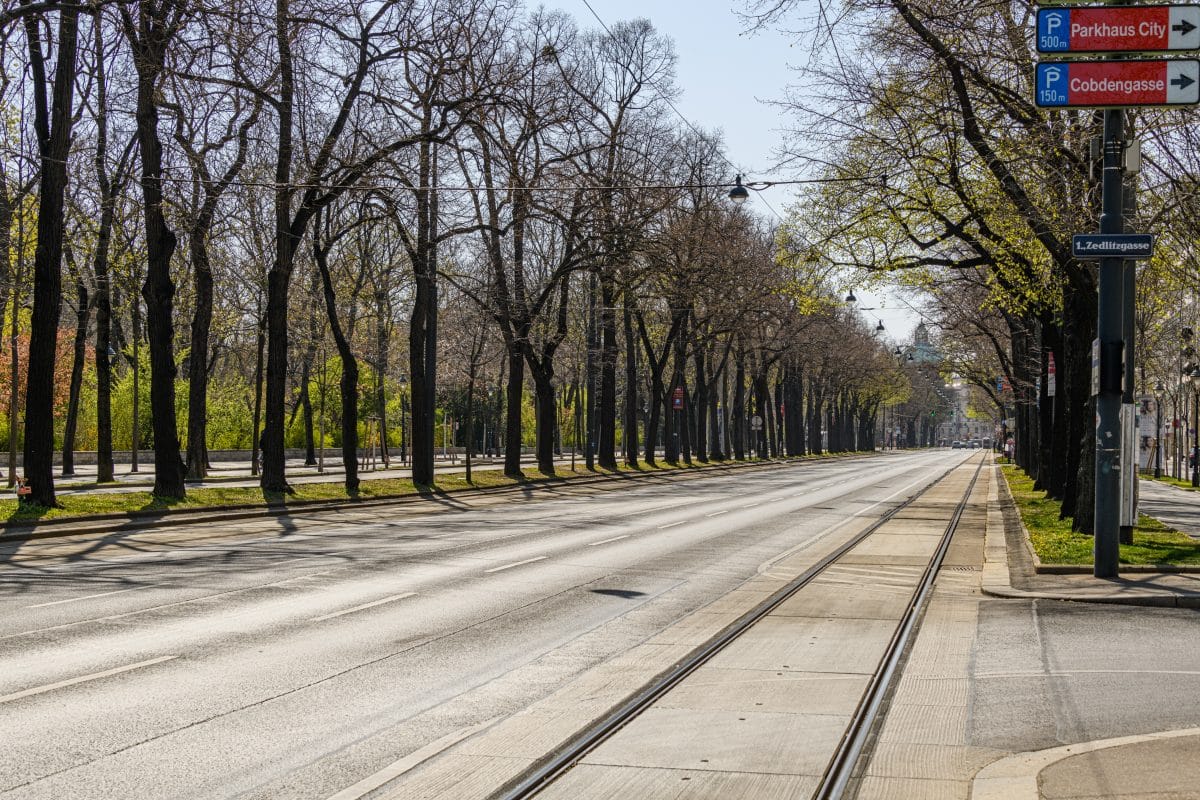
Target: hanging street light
{"points": [[739, 194]]}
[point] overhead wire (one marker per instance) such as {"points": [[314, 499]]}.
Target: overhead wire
{"points": [[696, 130]]}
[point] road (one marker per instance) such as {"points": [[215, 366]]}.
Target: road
{"points": [[311, 654]]}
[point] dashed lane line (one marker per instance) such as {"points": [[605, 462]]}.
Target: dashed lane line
{"points": [[82, 679], [403, 765], [363, 607], [94, 596], [608, 541], [517, 564], [671, 525]]}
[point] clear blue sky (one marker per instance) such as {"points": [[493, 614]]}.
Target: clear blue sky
{"points": [[723, 74], [728, 79]]}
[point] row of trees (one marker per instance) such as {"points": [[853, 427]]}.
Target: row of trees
{"points": [[237, 184], [954, 181]]}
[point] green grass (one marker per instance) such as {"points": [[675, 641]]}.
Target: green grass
{"points": [[1182, 484], [1055, 542], [330, 491]]}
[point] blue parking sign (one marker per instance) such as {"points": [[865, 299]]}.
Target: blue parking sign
{"points": [[1054, 30], [1052, 82]]}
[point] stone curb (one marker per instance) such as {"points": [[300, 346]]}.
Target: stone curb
{"points": [[997, 576], [107, 523], [1016, 777]]}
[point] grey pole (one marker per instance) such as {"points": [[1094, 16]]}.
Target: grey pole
{"points": [[1109, 335], [1129, 290]]}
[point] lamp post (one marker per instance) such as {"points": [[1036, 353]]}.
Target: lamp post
{"points": [[1195, 376], [322, 385], [403, 423], [1158, 401]]}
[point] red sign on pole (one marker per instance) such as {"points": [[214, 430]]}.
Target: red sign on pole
{"points": [[1108, 84], [677, 399], [1132, 29]]}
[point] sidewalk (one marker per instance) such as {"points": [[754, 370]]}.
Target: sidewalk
{"points": [[237, 474], [1008, 570], [1160, 765], [1179, 508]]}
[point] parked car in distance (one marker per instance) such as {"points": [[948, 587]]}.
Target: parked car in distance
{"points": [[956, 446]]}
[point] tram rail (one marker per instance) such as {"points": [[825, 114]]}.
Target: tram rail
{"points": [[839, 771]]}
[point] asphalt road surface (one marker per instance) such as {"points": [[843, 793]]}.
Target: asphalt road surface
{"points": [[298, 656]]}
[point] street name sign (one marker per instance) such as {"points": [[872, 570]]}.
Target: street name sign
{"points": [[1117, 84], [1127, 29], [1112, 245]]}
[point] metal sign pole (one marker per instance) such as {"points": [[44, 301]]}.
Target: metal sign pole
{"points": [[1109, 335]]}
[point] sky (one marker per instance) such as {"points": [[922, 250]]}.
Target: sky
{"points": [[729, 80]]}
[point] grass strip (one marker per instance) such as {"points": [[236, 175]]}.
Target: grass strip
{"points": [[1177, 482], [1055, 543], [79, 505]]}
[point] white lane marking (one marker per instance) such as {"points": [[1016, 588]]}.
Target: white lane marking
{"points": [[363, 606], [83, 678], [752, 505], [413, 759], [717, 513], [672, 525], [769, 563], [517, 564], [92, 596], [780, 499], [606, 541]]}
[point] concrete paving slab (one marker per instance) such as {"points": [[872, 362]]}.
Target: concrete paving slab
{"points": [[920, 760], [914, 724], [878, 788], [891, 560], [462, 777], [884, 546], [592, 782], [734, 741], [695, 629], [736, 602], [924, 689], [717, 689], [810, 645], [824, 599]]}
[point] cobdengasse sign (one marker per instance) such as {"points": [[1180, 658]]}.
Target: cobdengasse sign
{"points": [[1128, 29], [1100, 84]]}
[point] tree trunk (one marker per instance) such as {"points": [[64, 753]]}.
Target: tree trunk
{"points": [[606, 445], [158, 290], [546, 416], [512, 423], [52, 123], [631, 385], [260, 344], [82, 315], [198, 365]]}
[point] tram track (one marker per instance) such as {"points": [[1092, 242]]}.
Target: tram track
{"points": [[840, 768]]}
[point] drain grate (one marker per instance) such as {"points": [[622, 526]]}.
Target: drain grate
{"points": [[961, 569]]}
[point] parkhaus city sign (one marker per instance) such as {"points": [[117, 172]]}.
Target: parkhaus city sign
{"points": [[1118, 83]]}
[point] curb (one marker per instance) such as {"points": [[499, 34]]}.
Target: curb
{"points": [[95, 523], [1015, 777], [997, 571]]}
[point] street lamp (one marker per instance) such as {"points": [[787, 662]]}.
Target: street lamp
{"points": [[850, 298], [1158, 401], [1195, 376], [739, 194]]}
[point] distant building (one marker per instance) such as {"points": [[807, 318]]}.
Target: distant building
{"points": [[922, 350]]}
